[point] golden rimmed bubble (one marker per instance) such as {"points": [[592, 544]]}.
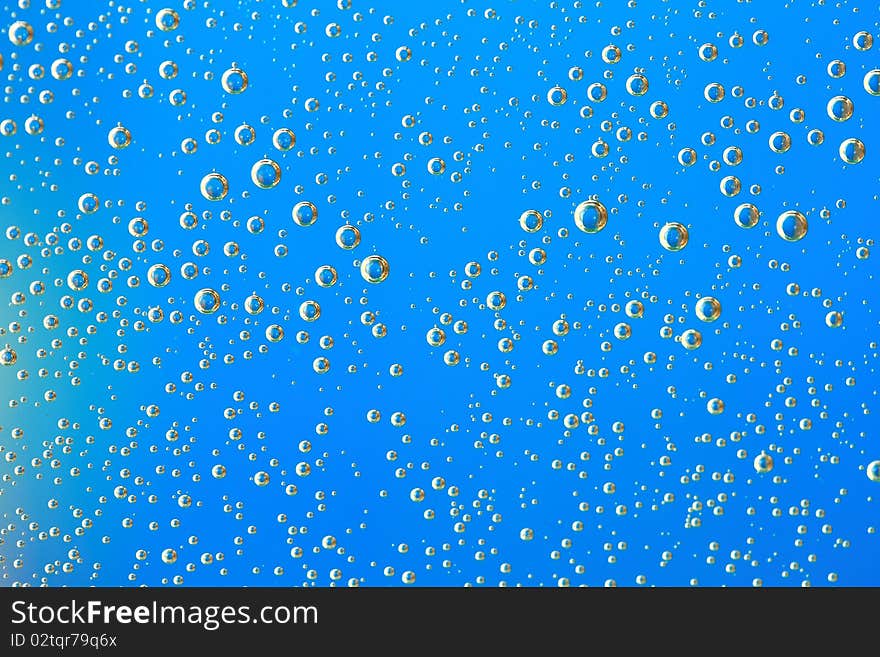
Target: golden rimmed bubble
{"points": [[687, 157], [119, 137], [659, 109], [537, 256], [167, 20], [435, 337], [234, 81], [245, 135], [590, 216], [254, 304], [348, 237], [88, 203], [304, 213], [691, 339], [714, 92], [325, 276], [61, 69], [20, 33], [834, 319], [374, 269], [871, 82], [177, 97], [674, 236], [159, 275], [207, 301], [863, 40], [708, 309], [77, 280], [840, 108], [8, 127], [779, 142], [283, 139], [496, 300], [214, 186], [274, 333], [597, 92], [852, 150], [708, 52], [436, 166], [266, 173], [791, 226], [310, 311], [634, 309], [732, 156], [168, 70], [34, 125], [557, 96], [637, 85], [531, 221], [836, 68], [8, 357], [730, 186], [611, 54], [746, 215], [763, 463]]}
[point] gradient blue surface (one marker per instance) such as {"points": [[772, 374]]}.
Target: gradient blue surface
{"points": [[595, 461]]}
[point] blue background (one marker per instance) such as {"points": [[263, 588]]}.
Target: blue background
{"points": [[477, 81]]}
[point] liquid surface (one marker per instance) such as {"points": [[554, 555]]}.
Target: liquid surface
{"points": [[352, 293]]}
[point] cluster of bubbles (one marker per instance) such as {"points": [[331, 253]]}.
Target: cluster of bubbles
{"points": [[628, 335]]}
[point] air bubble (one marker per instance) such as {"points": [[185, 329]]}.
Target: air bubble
{"points": [[283, 139], [637, 85], [119, 137], [557, 96], [159, 275], [674, 236], [708, 309], [234, 81], [840, 108], [763, 463], [691, 339], [214, 187], [496, 300], [531, 221], [348, 237], [20, 33], [374, 269], [207, 301], [714, 92], [304, 213], [326, 276], [266, 173], [791, 226], [852, 150], [88, 203], [779, 142], [167, 20], [590, 216], [746, 215]]}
